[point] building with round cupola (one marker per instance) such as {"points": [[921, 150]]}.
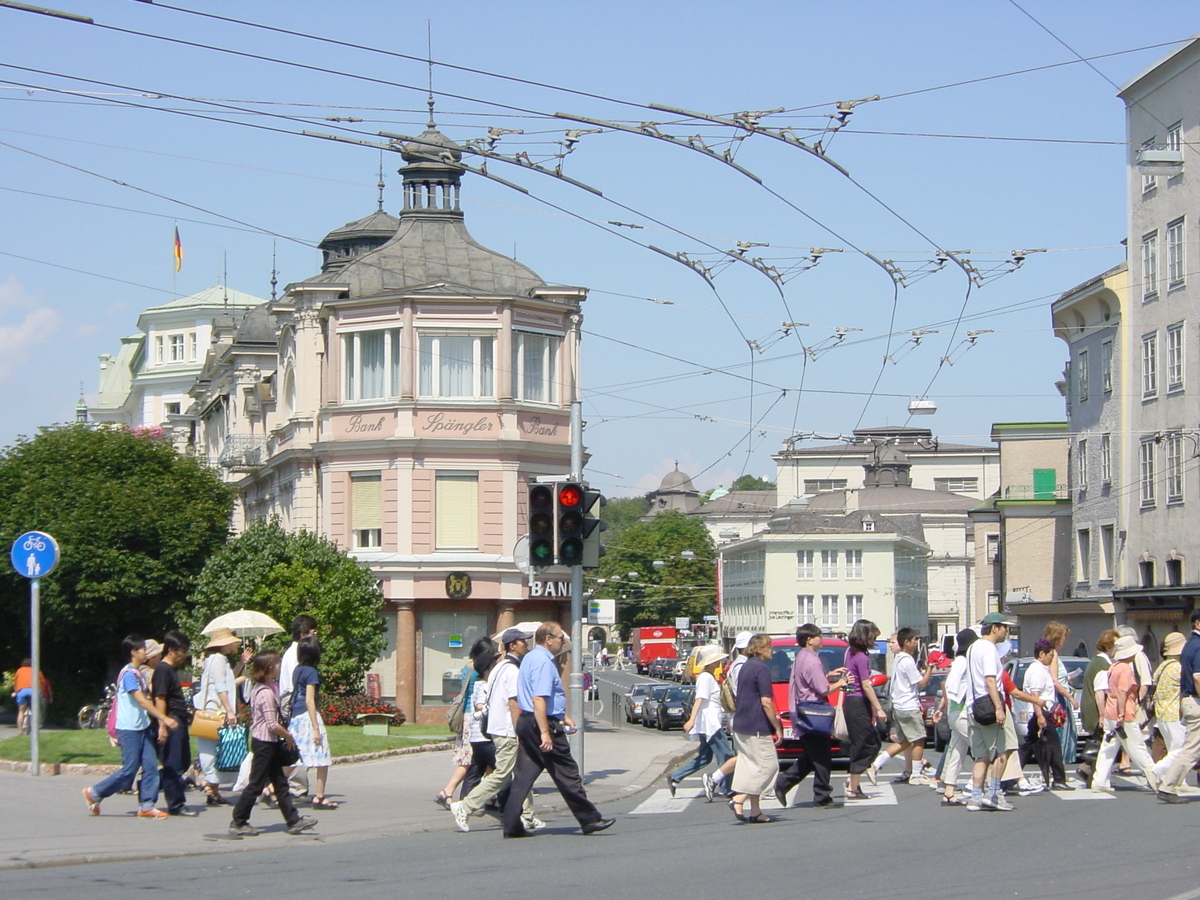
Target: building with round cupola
{"points": [[414, 387]]}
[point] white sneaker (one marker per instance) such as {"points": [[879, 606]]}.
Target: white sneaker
{"points": [[987, 802], [920, 779], [460, 816], [872, 775], [533, 823], [709, 786], [974, 805], [1002, 805]]}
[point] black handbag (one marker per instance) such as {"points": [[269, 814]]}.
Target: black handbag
{"points": [[983, 710]]}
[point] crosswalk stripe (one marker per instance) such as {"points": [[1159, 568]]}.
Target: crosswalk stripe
{"points": [[661, 801]]}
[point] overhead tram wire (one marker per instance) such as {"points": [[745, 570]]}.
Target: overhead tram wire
{"points": [[43, 262]]}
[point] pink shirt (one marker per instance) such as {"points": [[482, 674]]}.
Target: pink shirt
{"points": [[264, 714], [1121, 680]]}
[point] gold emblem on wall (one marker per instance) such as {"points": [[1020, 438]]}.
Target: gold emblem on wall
{"points": [[458, 585]]}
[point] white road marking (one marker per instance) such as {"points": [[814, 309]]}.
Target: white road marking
{"points": [[1082, 793], [661, 801]]}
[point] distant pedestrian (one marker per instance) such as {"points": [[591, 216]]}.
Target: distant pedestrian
{"points": [[462, 753], [218, 691], [704, 721], [1057, 633], [501, 719], [1189, 716], [1166, 701], [953, 707], [861, 706], [1042, 742], [718, 784], [756, 732], [812, 719], [23, 693], [483, 750], [305, 725], [1120, 719], [268, 740], [909, 724], [542, 729], [989, 744], [303, 626], [1095, 683], [135, 736], [174, 746]]}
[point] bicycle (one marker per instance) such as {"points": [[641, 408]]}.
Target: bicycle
{"points": [[96, 715]]}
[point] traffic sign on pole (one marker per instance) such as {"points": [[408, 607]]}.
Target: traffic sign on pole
{"points": [[35, 555]]}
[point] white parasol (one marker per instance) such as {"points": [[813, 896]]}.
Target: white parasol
{"points": [[245, 623]]}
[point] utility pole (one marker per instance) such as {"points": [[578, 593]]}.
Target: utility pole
{"points": [[575, 687]]}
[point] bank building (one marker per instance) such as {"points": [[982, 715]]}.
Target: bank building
{"points": [[398, 402]]}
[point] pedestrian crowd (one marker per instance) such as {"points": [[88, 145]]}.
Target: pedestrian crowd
{"points": [[1136, 720], [153, 718]]}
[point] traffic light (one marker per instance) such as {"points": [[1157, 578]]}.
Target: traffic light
{"points": [[568, 516], [592, 528], [541, 525]]}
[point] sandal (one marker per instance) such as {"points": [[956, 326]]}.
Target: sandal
{"points": [[737, 813], [760, 819], [323, 803], [442, 799], [855, 795], [953, 801]]}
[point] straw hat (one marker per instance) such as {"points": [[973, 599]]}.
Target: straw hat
{"points": [[709, 654], [1173, 644], [153, 648], [1126, 648], [222, 637]]}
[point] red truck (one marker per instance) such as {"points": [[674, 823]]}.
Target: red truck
{"points": [[653, 642]]}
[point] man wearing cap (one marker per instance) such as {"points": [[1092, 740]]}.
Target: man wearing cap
{"points": [[1189, 716], [989, 745], [705, 719], [1120, 719], [500, 725], [542, 737]]}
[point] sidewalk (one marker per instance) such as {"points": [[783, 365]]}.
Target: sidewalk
{"points": [[386, 797]]}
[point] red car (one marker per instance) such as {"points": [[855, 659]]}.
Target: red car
{"points": [[832, 654]]}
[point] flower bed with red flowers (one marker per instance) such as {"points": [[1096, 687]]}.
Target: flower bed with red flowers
{"points": [[344, 709]]}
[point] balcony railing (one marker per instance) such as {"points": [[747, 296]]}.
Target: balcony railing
{"points": [[244, 452], [1038, 492]]}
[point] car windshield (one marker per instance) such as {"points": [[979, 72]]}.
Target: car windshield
{"points": [[1075, 666], [675, 694], [783, 657], [639, 690], [658, 690]]}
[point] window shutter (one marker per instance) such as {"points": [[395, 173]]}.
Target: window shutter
{"points": [[457, 517], [366, 499]]}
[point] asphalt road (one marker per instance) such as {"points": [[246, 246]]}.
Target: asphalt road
{"points": [[1050, 847]]}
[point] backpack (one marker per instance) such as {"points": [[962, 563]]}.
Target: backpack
{"points": [[110, 723], [728, 700]]}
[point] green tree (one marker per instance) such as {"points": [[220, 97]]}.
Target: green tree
{"points": [[751, 483], [657, 595], [283, 574], [618, 513], [135, 522]]}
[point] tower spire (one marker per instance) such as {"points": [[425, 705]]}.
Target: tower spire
{"points": [[274, 272], [429, 57], [380, 183]]}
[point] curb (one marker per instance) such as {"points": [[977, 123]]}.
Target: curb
{"points": [[12, 765]]}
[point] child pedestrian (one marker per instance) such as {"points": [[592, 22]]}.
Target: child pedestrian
{"points": [[269, 741]]}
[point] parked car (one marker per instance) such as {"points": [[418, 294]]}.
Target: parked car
{"points": [[675, 707], [832, 654], [650, 704], [634, 698], [678, 669], [660, 667], [1023, 712]]}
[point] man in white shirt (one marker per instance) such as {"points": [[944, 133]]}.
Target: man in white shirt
{"points": [[501, 718], [908, 724], [988, 743]]}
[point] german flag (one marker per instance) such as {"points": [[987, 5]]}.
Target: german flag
{"points": [[178, 250]]}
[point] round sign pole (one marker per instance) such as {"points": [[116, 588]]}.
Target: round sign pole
{"points": [[34, 555]]}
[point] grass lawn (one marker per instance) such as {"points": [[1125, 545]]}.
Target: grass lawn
{"points": [[92, 747]]}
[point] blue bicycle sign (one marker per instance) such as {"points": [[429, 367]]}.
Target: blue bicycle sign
{"points": [[34, 554]]}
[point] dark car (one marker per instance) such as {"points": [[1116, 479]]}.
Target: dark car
{"points": [[650, 705], [661, 667], [675, 707], [634, 698]]}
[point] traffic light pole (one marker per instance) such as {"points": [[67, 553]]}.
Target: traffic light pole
{"points": [[575, 686]]}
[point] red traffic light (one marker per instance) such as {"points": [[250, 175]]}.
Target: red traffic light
{"points": [[570, 495]]}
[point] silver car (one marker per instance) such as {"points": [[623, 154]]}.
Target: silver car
{"points": [[635, 699], [1023, 712]]}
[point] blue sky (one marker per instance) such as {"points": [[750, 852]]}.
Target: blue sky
{"points": [[665, 381]]}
